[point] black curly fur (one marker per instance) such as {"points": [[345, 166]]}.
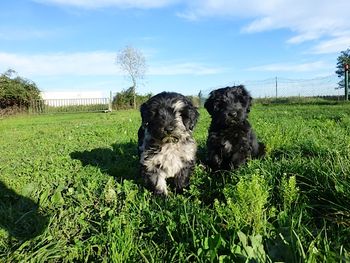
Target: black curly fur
{"points": [[231, 140], [165, 143]]}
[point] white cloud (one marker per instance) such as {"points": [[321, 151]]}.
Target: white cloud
{"points": [[97, 63], [265, 23], [287, 67], [303, 38], [309, 20], [333, 45], [92, 4], [7, 33], [93, 63], [225, 8]]}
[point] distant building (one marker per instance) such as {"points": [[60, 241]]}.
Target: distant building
{"points": [[69, 98], [47, 95]]}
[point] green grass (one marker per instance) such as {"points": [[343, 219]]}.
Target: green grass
{"points": [[70, 192]]}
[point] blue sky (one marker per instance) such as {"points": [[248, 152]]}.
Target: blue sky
{"points": [[71, 45]]}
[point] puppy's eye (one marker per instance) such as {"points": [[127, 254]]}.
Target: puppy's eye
{"points": [[218, 106]]}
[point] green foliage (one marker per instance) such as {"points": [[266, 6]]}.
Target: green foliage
{"points": [[125, 99], [344, 58], [249, 248], [70, 192], [16, 91], [289, 192], [317, 100], [195, 100], [245, 206]]}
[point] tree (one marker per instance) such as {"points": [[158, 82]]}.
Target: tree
{"points": [[133, 63], [200, 97], [16, 91], [343, 59]]}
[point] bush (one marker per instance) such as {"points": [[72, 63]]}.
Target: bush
{"points": [[125, 99], [195, 100], [16, 92]]}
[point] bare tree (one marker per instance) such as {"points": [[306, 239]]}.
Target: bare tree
{"points": [[133, 63]]}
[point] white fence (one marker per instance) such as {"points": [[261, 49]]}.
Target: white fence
{"points": [[70, 105]]}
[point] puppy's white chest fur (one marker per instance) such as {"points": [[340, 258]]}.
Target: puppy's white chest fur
{"points": [[170, 159]]}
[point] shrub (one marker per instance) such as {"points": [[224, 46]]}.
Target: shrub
{"points": [[16, 92], [125, 99]]}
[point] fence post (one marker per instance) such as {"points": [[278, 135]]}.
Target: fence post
{"points": [[110, 102], [346, 66]]}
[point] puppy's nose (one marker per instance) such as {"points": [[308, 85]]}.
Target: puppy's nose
{"points": [[232, 114], [169, 129]]}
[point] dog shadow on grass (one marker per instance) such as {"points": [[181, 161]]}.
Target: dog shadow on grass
{"points": [[19, 215], [119, 161]]}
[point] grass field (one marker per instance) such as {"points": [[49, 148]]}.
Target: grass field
{"points": [[70, 192]]}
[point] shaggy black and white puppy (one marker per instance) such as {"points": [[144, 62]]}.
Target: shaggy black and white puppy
{"points": [[231, 140], [165, 143]]}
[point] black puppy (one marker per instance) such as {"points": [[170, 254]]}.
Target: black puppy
{"points": [[231, 140], [165, 143]]}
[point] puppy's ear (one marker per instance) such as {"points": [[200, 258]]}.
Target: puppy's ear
{"points": [[249, 103], [144, 109], [190, 117], [209, 103], [246, 98]]}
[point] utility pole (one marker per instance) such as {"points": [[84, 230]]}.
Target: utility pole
{"points": [[346, 67], [276, 87]]}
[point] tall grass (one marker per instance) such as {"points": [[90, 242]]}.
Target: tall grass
{"points": [[70, 192]]}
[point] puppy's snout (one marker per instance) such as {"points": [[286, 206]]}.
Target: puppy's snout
{"points": [[169, 129], [232, 114]]}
